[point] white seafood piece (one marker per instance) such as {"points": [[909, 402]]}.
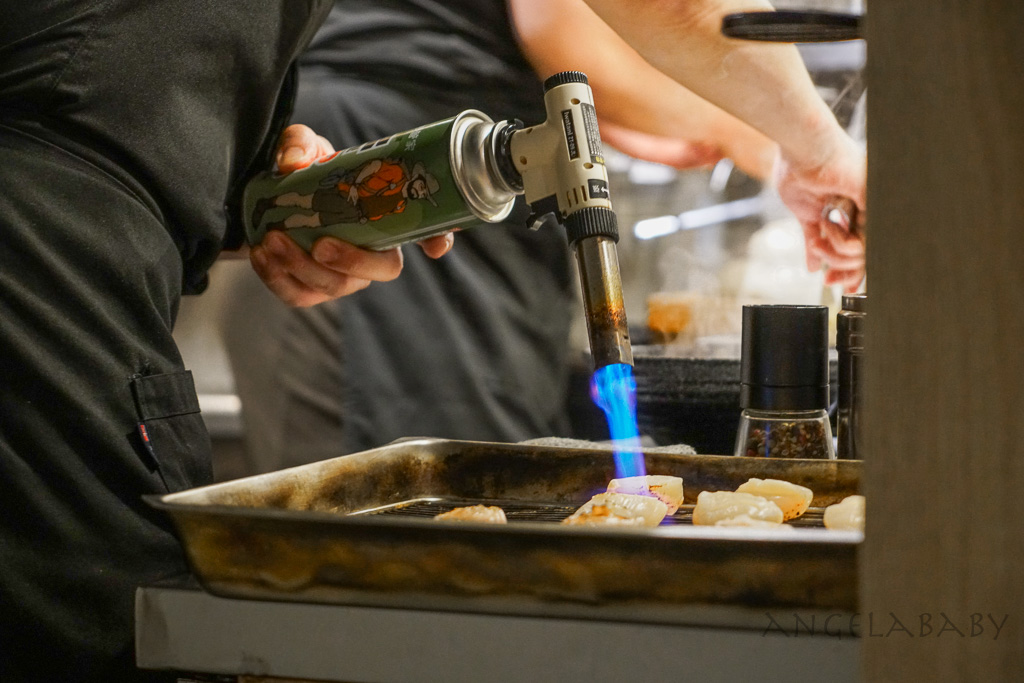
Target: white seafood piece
{"points": [[488, 514], [665, 488], [792, 499], [620, 508], [748, 521], [847, 514], [715, 506]]}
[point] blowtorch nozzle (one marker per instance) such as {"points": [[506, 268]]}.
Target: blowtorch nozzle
{"points": [[560, 165], [601, 284]]}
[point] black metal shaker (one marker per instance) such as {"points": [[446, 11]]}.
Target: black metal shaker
{"points": [[850, 347]]}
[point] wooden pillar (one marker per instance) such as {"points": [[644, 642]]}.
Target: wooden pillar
{"points": [[943, 562]]}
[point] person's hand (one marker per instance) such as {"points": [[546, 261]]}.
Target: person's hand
{"points": [[334, 268], [810, 192]]}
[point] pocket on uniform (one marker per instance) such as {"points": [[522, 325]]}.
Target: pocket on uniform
{"points": [[172, 430]]}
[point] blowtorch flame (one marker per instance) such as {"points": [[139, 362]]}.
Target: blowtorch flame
{"points": [[614, 391]]}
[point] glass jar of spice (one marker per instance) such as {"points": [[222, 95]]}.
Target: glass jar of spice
{"points": [[784, 383]]}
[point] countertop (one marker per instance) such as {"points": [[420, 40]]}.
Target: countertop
{"points": [[185, 628]]}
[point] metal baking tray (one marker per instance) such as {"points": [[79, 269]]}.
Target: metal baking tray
{"points": [[358, 530]]}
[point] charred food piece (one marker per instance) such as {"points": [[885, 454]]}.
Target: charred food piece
{"points": [[667, 489], [620, 508]]}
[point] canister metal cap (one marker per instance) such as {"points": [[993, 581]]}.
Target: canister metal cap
{"points": [[784, 362], [474, 168]]}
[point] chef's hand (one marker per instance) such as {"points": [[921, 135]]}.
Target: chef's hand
{"points": [[810, 191], [334, 268]]}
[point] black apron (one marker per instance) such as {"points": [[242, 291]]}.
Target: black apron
{"points": [[126, 131]]}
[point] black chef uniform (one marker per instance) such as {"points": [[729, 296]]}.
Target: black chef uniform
{"points": [[474, 345], [126, 131]]}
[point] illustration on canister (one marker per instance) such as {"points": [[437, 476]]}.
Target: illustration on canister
{"points": [[378, 188]]}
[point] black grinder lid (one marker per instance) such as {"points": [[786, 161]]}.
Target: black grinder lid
{"points": [[784, 363], [850, 323]]}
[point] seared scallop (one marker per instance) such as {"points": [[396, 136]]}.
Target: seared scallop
{"points": [[715, 506], [747, 521], [665, 488], [488, 514], [620, 508], [847, 514], [792, 499]]}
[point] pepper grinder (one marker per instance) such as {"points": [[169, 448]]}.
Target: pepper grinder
{"points": [[850, 347], [784, 390]]}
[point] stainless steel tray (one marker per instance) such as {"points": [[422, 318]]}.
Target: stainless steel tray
{"points": [[357, 530]]}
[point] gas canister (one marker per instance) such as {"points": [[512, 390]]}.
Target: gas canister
{"points": [[381, 194]]}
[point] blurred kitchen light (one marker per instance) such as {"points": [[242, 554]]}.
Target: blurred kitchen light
{"points": [[699, 218], [720, 175], [779, 239], [650, 173], [650, 228]]}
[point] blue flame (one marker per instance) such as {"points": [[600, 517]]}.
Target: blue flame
{"points": [[614, 391]]}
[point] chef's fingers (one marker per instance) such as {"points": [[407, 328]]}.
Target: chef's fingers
{"points": [[342, 257], [277, 260], [299, 147], [438, 246], [296, 293], [835, 261], [841, 241], [339, 269], [849, 279], [271, 268]]}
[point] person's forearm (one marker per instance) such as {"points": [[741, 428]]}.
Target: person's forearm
{"points": [[557, 35], [675, 112], [766, 85]]}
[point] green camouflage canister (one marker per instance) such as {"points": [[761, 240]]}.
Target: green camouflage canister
{"points": [[378, 195]]}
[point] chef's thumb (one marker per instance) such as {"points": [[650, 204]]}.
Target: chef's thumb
{"points": [[298, 147]]}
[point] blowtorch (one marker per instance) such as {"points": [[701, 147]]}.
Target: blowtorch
{"points": [[460, 172]]}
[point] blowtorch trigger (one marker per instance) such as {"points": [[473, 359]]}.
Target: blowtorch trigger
{"points": [[544, 212]]}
